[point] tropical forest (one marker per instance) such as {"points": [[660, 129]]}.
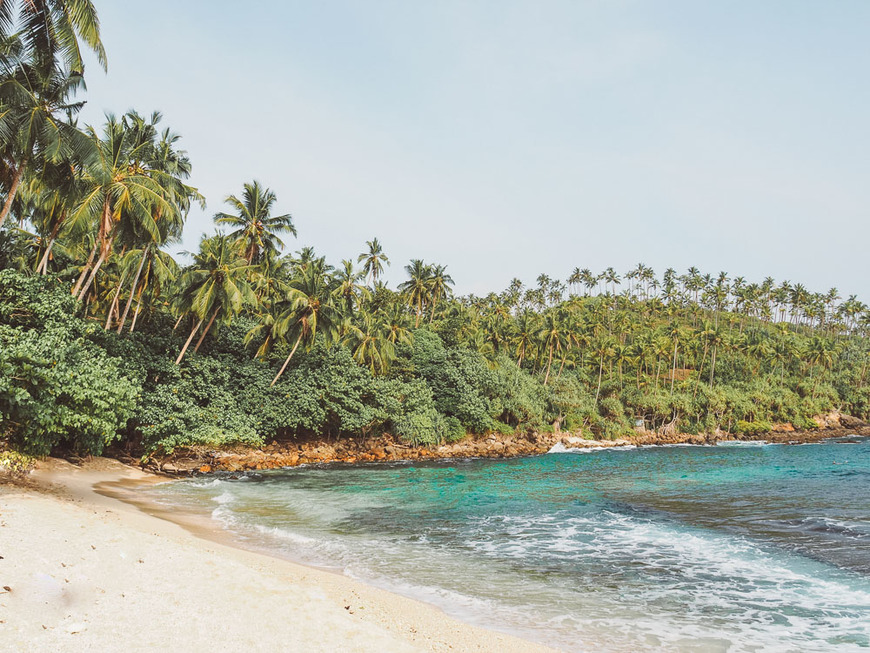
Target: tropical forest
{"points": [[110, 334]]}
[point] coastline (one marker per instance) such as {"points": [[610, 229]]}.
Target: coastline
{"points": [[385, 448], [86, 568]]}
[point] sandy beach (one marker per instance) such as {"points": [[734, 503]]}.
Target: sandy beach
{"points": [[81, 571]]}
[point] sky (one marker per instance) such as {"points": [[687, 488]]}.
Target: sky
{"points": [[508, 139]]}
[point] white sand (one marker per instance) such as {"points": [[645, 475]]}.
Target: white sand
{"points": [[91, 573]]}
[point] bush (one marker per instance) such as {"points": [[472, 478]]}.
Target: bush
{"points": [[56, 385], [753, 428]]}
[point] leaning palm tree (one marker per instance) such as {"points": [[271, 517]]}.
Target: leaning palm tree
{"points": [[36, 127], [306, 311], [169, 167], [125, 191], [373, 261], [215, 286], [53, 194], [257, 230]]}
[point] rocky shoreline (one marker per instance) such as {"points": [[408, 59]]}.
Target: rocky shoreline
{"points": [[385, 448]]}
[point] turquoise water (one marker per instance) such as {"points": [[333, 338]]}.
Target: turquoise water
{"points": [[731, 548]]}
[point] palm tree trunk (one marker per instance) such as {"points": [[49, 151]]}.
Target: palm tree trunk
{"points": [[207, 327], [600, 372], [85, 270], [178, 321], [700, 370], [136, 312], [562, 367], [549, 364], [42, 268], [13, 189], [713, 365], [187, 344], [133, 289], [674, 368], [104, 254], [658, 369], [286, 362], [114, 307]]}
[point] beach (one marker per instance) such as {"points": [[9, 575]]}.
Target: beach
{"points": [[81, 571]]}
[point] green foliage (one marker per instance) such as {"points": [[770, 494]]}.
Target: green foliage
{"points": [[695, 352], [502, 429], [753, 428], [461, 382], [56, 385]]}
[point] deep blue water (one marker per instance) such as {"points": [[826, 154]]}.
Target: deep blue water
{"points": [[731, 548]]}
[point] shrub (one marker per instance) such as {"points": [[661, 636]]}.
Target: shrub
{"points": [[753, 428]]}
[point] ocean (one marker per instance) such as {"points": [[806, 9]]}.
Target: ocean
{"points": [[734, 547]]}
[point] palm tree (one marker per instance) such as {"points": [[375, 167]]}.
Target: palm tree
{"points": [[416, 288], [551, 337], [158, 274], [674, 331], [126, 191], [256, 229], [51, 29], [371, 344], [52, 195], [169, 166], [373, 260], [575, 279], [524, 335], [439, 286], [306, 310], [36, 127], [395, 319], [216, 285], [604, 346], [347, 290]]}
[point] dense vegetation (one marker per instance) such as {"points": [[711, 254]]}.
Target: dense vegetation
{"points": [[103, 336]]}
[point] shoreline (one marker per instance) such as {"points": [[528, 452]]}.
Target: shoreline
{"points": [[385, 448], [81, 566]]}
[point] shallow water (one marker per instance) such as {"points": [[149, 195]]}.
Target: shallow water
{"points": [[731, 548]]}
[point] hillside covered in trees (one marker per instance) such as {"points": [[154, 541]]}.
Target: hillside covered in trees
{"points": [[105, 336]]}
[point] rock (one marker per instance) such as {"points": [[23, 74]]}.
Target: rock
{"points": [[849, 422], [205, 469]]}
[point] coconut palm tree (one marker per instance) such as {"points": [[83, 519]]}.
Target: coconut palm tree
{"points": [[126, 191], [371, 344], [306, 310], [50, 30], [347, 291], [373, 261], [169, 166], [36, 122], [256, 228], [417, 287], [215, 286], [439, 283]]}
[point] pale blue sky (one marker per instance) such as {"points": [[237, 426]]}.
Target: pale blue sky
{"points": [[508, 138]]}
